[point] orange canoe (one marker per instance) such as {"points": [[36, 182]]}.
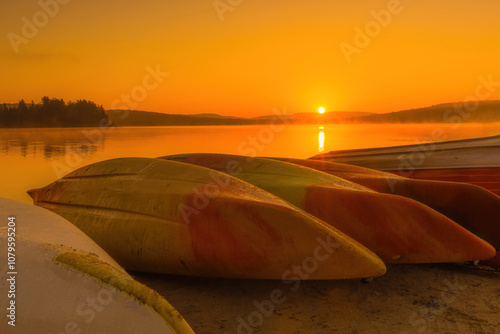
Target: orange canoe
{"points": [[397, 229], [473, 207]]}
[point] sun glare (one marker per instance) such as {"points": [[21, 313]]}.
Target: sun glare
{"points": [[321, 110]]}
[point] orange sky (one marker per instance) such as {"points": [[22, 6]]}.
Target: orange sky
{"points": [[263, 55]]}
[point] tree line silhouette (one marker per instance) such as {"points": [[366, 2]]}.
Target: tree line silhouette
{"points": [[53, 113]]}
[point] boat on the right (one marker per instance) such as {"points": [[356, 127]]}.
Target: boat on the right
{"points": [[475, 161]]}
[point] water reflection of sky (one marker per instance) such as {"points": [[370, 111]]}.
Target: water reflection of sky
{"points": [[297, 141], [47, 143]]}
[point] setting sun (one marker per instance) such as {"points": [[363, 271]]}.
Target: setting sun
{"points": [[321, 110]]}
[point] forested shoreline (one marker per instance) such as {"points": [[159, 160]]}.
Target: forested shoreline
{"points": [[51, 112]]}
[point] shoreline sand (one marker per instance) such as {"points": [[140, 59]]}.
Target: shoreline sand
{"points": [[426, 298]]}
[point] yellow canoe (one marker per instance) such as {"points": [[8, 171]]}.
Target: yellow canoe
{"points": [[168, 217]]}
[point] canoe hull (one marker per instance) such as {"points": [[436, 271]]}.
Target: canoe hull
{"points": [[397, 229], [168, 217], [467, 153], [475, 161], [488, 178], [61, 270], [471, 206]]}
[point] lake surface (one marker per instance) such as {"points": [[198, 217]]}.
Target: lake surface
{"points": [[32, 158]]}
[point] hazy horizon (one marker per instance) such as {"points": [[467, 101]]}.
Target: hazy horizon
{"points": [[200, 112]]}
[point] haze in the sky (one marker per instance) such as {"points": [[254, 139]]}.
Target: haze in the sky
{"points": [[245, 58]]}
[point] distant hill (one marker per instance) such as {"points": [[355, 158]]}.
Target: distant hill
{"points": [[484, 112], [146, 118], [215, 116]]}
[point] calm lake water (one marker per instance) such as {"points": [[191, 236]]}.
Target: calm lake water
{"points": [[32, 158]]}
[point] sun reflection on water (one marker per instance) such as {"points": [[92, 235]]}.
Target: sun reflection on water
{"points": [[321, 141]]}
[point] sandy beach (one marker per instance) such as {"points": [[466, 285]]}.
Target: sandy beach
{"points": [[430, 298]]}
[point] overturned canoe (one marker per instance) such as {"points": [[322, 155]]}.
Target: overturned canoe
{"points": [[488, 178], [471, 206], [168, 217], [466, 153], [64, 282], [397, 229], [475, 161]]}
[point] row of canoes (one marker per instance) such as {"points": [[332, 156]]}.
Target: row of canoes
{"points": [[229, 216], [233, 216], [474, 161]]}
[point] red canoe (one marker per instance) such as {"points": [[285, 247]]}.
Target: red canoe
{"points": [[488, 178], [475, 161]]}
